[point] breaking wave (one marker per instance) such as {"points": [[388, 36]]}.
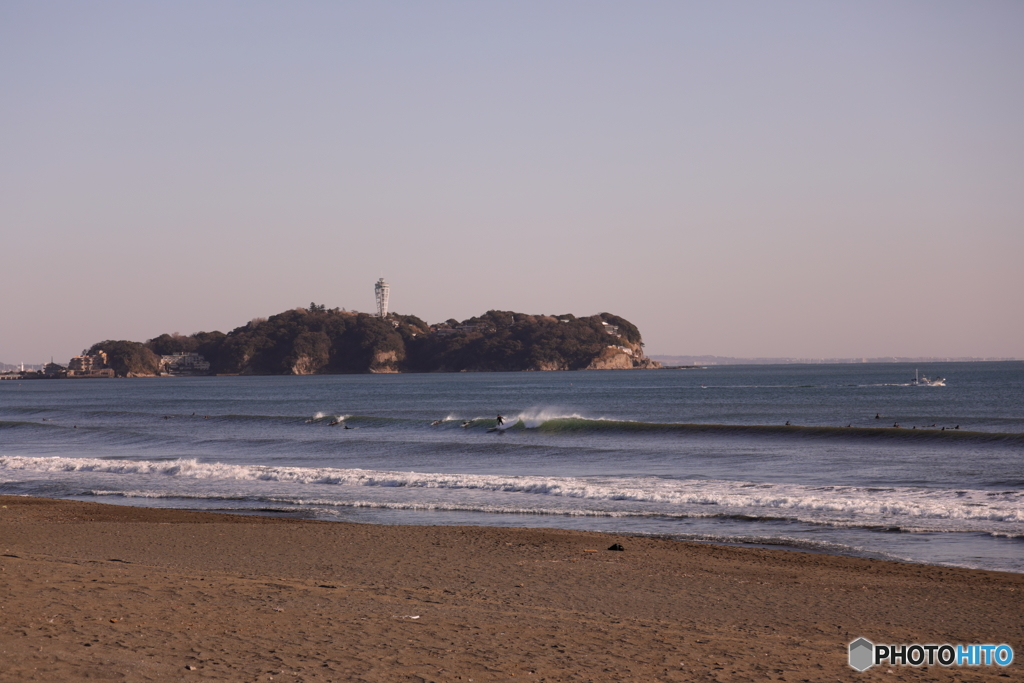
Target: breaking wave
{"points": [[897, 507]]}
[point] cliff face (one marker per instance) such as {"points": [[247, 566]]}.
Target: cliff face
{"points": [[625, 357], [318, 341], [612, 358], [384, 361], [305, 365]]}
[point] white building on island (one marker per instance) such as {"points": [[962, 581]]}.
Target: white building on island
{"points": [[180, 364], [381, 290]]}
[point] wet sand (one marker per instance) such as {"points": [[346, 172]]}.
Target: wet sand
{"points": [[91, 591]]}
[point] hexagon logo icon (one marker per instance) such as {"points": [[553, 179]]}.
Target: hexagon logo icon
{"points": [[862, 654]]}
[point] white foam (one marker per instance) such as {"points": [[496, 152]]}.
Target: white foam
{"points": [[535, 417], [841, 506]]}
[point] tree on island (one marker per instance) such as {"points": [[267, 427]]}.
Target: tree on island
{"points": [[128, 358]]}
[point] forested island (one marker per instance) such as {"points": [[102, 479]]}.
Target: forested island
{"points": [[315, 340]]}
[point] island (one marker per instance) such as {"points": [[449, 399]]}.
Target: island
{"points": [[317, 340]]}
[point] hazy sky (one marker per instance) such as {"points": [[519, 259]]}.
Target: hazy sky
{"points": [[811, 179]]}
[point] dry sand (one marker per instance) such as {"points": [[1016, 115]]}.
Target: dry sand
{"points": [[91, 591]]}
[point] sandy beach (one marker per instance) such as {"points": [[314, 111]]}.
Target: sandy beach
{"points": [[90, 591]]}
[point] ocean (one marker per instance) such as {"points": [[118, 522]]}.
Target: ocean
{"points": [[702, 455]]}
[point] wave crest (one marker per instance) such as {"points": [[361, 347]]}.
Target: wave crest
{"points": [[656, 495]]}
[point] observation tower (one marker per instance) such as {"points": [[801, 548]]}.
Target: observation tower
{"points": [[381, 291]]}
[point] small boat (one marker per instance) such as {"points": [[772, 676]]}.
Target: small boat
{"points": [[921, 381]]}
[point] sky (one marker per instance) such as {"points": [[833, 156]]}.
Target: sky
{"points": [[750, 179]]}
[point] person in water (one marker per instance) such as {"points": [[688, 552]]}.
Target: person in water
{"points": [[501, 420]]}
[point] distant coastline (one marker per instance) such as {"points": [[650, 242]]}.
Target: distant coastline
{"points": [[321, 341], [691, 361], [694, 361]]}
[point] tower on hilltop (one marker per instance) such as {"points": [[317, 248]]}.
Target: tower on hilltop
{"points": [[381, 290]]}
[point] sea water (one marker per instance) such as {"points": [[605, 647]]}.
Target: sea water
{"points": [[701, 455]]}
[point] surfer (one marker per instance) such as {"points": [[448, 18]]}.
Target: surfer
{"points": [[347, 427], [333, 423], [787, 423], [501, 420], [435, 423], [878, 416], [466, 423]]}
